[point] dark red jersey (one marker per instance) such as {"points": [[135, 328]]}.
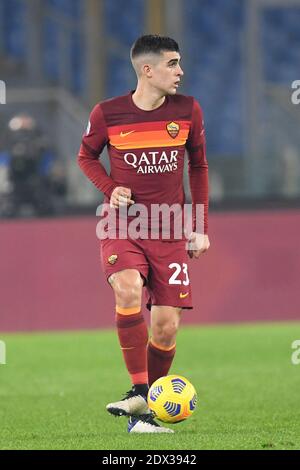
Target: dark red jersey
{"points": [[147, 150]]}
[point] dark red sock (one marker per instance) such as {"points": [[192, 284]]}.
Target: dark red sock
{"points": [[159, 361], [133, 337]]}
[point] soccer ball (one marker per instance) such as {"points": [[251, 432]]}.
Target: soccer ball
{"points": [[172, 398]]}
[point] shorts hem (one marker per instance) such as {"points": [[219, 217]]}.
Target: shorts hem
{"points": [[183, 307], [107, 275]]}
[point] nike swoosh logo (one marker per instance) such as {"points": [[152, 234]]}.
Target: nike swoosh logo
{"points": [[124, 134], [183, 296]]}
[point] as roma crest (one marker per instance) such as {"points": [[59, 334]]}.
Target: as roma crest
{"points": [[112, 259], [173, 129]]}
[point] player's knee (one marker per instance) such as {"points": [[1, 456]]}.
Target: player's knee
{"points": [[165, 334], [127, 286]]}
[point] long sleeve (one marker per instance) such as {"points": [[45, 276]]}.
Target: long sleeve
{"points": [[93, 142], [197, 164]]}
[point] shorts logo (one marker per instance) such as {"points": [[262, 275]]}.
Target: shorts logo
{"points": [[112, 259], [173, 129], [183, 296]]}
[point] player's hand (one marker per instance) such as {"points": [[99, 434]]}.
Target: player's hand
{"points": [[198, 244], [120, 197]]}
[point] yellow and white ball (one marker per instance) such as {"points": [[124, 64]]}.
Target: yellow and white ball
{"points": [[172, 398]]}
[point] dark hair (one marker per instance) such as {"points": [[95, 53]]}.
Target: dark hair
{"points": [[153, 43]]}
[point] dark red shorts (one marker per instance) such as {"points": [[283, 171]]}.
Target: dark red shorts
{"points": [[162, 264]]}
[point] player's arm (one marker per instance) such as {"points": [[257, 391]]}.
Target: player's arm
{"points": [[198, 177], [93, 143]]}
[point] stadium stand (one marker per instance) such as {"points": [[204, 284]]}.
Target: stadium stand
{"points": [[216, 73]]}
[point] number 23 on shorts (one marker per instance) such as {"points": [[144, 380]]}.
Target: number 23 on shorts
{"points": [[178, 268]]}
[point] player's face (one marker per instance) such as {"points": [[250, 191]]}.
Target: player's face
{"points": [[167, 73]]}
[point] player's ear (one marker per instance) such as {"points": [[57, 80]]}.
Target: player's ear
{"points": [[147, 70]]}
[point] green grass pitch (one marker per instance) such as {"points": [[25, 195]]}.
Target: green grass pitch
{"points": [[54, 388]]}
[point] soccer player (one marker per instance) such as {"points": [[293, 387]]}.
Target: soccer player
{"points": [[147, 133]]}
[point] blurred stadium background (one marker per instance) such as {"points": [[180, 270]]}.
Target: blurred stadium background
{"points": [[60, 57]]}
